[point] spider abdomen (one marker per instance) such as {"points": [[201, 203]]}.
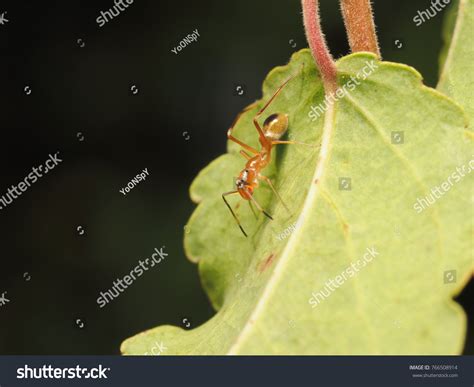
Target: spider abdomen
{"points": [[275, 126]]}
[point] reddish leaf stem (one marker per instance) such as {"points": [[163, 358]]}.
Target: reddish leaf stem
{"points": [[317, 44], [360, 27]]}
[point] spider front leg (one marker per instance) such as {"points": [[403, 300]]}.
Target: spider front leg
{"points": [[232, 211], [232, 138], [269, 182], [245, 154]]}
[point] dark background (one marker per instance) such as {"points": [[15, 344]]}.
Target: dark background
{"points": [[87, 90]]}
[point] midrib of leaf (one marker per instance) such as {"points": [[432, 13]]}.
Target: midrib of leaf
{"points": [[329, 123]]}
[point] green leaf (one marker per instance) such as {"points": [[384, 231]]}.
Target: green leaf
{"points": [[447, 32], [398, 303], [456, 79]]}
